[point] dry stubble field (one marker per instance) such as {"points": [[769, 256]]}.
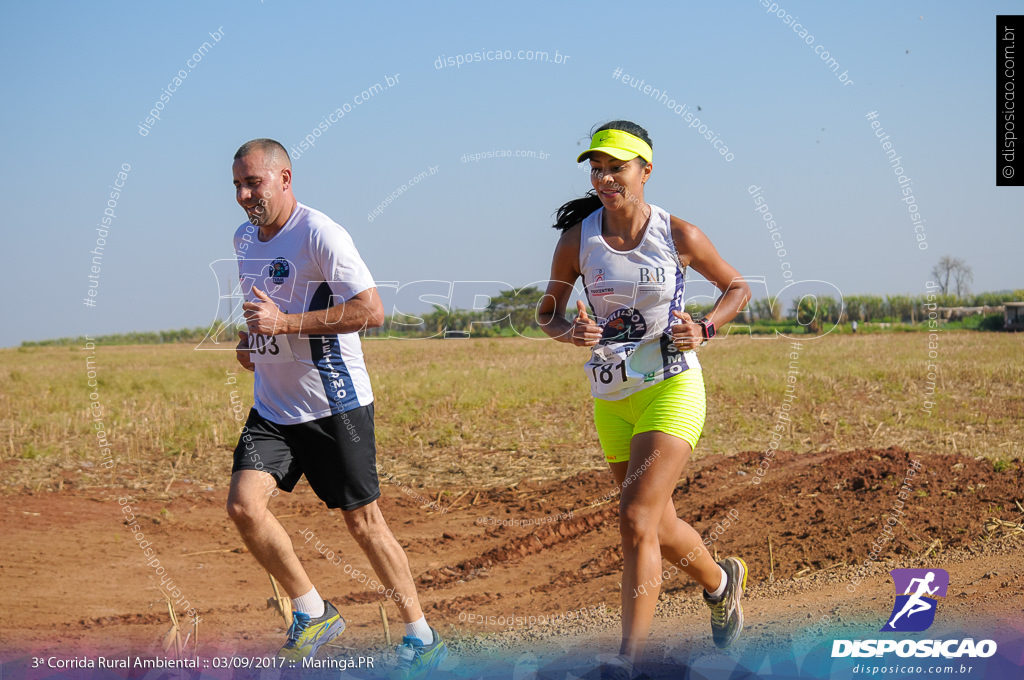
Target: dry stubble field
{"points": [[497, 429]]}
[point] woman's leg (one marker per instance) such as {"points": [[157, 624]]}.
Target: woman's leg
{"points": [[656, 462], [682, 546]]}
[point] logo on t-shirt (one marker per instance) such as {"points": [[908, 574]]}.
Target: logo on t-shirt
{"points": [[651, 275], [624, 325], [279, 270], [600, 290], [651, 279]]}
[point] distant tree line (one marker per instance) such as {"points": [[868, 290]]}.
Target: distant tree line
{"points": [[193, 335], [511, 313]]}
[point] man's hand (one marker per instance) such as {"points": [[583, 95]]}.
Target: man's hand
{"points": [[584, 333], [242, 352], [264, 316], [686, 335]]}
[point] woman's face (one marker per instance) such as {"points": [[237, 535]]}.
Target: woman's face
{"points": [[618, 183]]}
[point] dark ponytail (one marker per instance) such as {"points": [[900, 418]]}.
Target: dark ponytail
{"points": [[578, 209]]}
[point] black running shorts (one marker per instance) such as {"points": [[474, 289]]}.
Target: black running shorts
{"points": [[338, 455]]}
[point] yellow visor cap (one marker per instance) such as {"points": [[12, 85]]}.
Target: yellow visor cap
{"points": [[618, 144]]}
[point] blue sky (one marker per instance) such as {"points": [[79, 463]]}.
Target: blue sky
{"points": [[84, 76]]}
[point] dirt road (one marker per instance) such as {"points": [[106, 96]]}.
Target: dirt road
{"points": [[486, 561]]}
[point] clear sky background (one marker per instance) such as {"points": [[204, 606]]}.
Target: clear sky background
{"points": [[81, 77]]}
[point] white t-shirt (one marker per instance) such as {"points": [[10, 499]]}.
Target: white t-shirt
{"points": [[310, 264], [632, 294]]}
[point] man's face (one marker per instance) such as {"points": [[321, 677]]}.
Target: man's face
{"points": [[260, 187]]}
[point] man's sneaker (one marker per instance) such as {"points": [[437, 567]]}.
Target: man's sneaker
{"points": [[306, 635], [417, 660], [727, 611]]}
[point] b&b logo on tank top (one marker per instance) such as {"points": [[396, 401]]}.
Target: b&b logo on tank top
{"points": [[651, 279]]}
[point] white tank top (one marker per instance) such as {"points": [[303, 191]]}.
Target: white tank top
{"points": [[632, 294]]}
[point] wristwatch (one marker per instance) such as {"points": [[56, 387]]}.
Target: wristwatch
{"points": [[707, 329]]}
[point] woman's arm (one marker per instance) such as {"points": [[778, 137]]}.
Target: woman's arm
{"points": [[565, 269], [695, 250]]}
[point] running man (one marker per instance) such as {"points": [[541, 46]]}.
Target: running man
{"points": [[916, 603], [649, 399], [307, 294]]}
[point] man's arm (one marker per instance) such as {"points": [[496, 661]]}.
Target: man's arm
{"points": [[362, 310]]}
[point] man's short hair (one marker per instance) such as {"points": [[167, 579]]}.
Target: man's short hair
{"points": [[273, 149]]}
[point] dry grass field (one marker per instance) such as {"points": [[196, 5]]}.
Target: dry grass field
{"points": [[489, 412]]}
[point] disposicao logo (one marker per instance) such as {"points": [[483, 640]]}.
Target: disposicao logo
{"points": [[917, 591]]}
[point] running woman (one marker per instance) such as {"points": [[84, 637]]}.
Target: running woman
{"points": [[644, 375], [308, 293]]}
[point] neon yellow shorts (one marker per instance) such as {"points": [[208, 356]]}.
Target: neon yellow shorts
{"points": [[675, 406]]}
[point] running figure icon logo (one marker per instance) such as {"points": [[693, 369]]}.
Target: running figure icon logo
{"points": [[917, 591]]}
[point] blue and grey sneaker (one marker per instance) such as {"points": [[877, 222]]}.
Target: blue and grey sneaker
{"points": [[417, 660], [307, 635], [727, 611]]}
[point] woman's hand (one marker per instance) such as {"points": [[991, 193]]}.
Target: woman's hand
{"points": [[686, 335], [584, 333]]}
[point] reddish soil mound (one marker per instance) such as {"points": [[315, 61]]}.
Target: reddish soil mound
{"points": [[77, 578]]}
